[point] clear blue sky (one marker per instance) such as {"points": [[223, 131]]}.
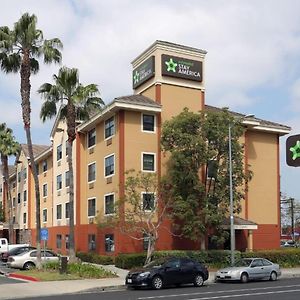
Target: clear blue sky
{"points": [[252, 65]]}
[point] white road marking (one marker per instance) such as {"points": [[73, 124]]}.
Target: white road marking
{"points": [[218, 292]]}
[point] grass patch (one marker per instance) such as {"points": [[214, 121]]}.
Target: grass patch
{"points": [[50, 272]]}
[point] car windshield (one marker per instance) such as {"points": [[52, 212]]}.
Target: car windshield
{"points": [[243, 263], [155, 263]]}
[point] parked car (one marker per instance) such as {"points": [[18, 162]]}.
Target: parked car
{"points": [[5, 246], [16, 251], [288, 244], [27, 260], [163, 272], [250, 269]]}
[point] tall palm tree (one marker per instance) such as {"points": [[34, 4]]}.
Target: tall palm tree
{"points": [[8, 147], [77, 102], [20, 49]]}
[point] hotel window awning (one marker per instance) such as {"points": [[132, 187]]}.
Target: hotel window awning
{"points": [[240, 224]]}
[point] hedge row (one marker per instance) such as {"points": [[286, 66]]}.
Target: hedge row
{"points": [[95, 258]]}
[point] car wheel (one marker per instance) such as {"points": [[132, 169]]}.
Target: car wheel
{"points": [[198, 280], [28, 266], [244, 277], [273, 276], [157, 283]]}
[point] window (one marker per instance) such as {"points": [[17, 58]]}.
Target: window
{"points": [[67, 179], [58, 212], [256, 263], [19, 176], [45, 165], [110, 165], [14, 201], [59, 152], [109, 204], [67, 210], [45, 217], [148, 162], [58, 241], [25, 196], [25, 173], [109, 127], [212, 168], [67, 147], [14, 184], [45, 190], [148, 201], [148, 123], [91, 138], [92, 207], [67, 242], [92, 172], [109, 243], [59, 182], [24, 218], [92, 242], [19, 198]]}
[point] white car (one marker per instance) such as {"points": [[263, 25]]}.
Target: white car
{"points": [[28, 259], [250, 269]]}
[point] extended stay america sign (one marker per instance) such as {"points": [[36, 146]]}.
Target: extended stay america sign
{"points": [[143, 72], [180, 67]]}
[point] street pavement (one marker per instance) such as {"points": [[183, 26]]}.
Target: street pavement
{"points": [[51, 288]]}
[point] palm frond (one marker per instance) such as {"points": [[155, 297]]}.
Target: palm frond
{"points": [[10, 62], [51, 52], [48, 110], [34, 65], [50, 92]]}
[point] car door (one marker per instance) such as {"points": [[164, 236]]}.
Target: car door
{"points": [[188, 270], [256, 269], [172, 271], [268, 267]]}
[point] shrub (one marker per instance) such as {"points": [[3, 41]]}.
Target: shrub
{"points": [[95, 258], [129, 261], [88, 271]]}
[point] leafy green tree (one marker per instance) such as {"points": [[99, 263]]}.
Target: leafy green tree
{"points": [[198, 170], [76, 102], [20, 49], [8, 147], [141, 213]]}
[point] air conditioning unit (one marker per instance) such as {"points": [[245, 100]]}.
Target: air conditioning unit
{"points": [[59, 163], [58, 193], [108, 142], [45, 174], [91, 186], [91, 150], [91, 220], [109, 180], [45, 199]]}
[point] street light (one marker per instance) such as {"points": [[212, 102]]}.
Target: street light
{"points": [[232, 231]]}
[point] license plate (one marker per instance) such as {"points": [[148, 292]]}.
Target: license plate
{"points": [[222, 276], [129, 280]]}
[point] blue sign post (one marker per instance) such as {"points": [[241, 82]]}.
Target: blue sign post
{"points": [[44, 237]]}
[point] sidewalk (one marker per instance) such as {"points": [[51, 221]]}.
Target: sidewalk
{"points": [[50, 288]]}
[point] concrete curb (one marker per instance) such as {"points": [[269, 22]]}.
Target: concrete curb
{"points": [[22, 277]]}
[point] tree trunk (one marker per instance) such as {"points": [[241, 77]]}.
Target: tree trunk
{"points": [[25, 95], [151, 248], [71, 137], [8, 204]]}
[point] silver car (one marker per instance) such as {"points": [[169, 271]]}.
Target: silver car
{"points": [[250, 269], [28, 259]]}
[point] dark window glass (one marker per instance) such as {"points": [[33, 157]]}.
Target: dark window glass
{"points": [[45, 217], [257, 263], [59, 182], [25, 196], [58, 241], [14, 201], [109, 127], [109, 243], [110, 165], [266, 262], [19, 198], [92, 242], [92, 172], [24, 217], [25, 173], [109, 204], [173, 264], [45, 165], [148, 201], [67, 242], [91, 207], [19, 176], [67, 210], [33, 253], [67, 179], [67, 147], [148, 162], [91, 138], [59, 152], [148, 123], [45, 190], [58, 212]]}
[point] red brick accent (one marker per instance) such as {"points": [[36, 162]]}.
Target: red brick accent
{"points": [[267, 236]]}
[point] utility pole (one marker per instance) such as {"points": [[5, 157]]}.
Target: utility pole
{"points": [[292, 217]]}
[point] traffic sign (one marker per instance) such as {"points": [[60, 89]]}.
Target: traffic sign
{"points": [[293, 151], [44, 234]]}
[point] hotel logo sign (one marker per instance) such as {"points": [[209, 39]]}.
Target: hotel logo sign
{"points": [[181, 67], [293, 151], [143, 72]]}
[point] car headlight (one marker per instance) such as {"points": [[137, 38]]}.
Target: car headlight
{"points": [[144, 274]]}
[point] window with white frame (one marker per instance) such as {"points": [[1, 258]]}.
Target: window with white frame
{"points": [[24, 218], [91, 136], [148, 123], [58, 212], [109, 204], [67, 210], [58, 241], [109, 127], [92, 207], [59, 152], [109, 165], [91, 172], [25, 173], [45, 165], [67, 178], [59, 182], [19, 198], [148, 162], [109, 243], [45, 190], [25, 196], [45, 215], [148, 201], [92, 242]]}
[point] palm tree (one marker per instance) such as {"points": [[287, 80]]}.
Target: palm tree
{"points": [[20, 49], [77, 102], [8, 146]]}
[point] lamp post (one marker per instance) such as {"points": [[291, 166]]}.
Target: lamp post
{"points": [[232, 230]]}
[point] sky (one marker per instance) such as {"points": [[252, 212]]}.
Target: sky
{"points": [[252, 64]]}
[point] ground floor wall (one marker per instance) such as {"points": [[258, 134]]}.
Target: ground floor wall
{"points": [[267, 236]]}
